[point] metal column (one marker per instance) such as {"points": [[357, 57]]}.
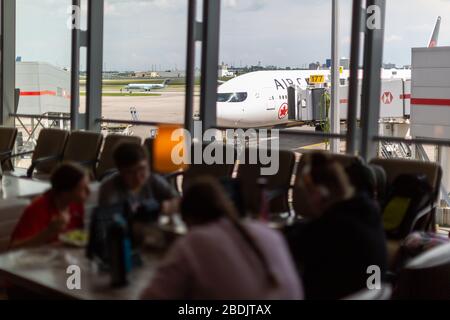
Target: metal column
{"points": [[335, 117], [8, 62], [94, 65], [371, 90], [353, 99], [192, 37], [75, 70], [210, 62]]}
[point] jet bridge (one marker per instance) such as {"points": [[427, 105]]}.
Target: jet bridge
{"points": [[309, 105]]}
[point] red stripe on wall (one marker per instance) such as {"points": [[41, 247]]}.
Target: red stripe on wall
{"points": [[431, 102], [38, 93], [343, 101], [405, 96]]}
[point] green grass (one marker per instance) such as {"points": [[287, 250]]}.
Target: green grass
{"points": [[124, 82], [118, 94]]}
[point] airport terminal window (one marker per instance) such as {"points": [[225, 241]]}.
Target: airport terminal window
{"points": [[144, 63], [267, 58], [403, 112], [42, 67]]}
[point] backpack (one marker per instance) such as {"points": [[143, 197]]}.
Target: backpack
{"points": [[408, 196]]}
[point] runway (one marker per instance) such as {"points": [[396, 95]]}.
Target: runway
{"points": [[169, 108]]}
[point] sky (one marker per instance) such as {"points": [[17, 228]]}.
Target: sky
{"points": [[151, 34]]}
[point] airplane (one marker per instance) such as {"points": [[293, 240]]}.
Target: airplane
{"points": [[259, 99], [146, 86]]}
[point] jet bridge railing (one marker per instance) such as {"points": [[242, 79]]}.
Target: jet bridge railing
{"points": [[37, 122]]}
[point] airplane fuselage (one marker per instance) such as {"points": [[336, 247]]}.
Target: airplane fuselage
{"points": [[260, 99]]}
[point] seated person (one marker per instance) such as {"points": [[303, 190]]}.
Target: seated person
{"points": [[57, 211], [342, 236], [222, 257], [134, 184]]}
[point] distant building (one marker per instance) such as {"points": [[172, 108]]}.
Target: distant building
{"points": [[314, 66], [345, 63], [49, 92], [224, 72], [147, 74], [389, 66]]}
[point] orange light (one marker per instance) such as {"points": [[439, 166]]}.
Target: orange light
{"points": [[164, 146]]}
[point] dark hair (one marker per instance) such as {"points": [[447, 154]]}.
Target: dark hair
{"points": [[129, 154], [66, 177], [205, 201], [328, 172], [362, 177]]}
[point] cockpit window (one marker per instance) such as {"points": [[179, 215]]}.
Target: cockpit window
{"points": [[224, 97], [232, 97]]}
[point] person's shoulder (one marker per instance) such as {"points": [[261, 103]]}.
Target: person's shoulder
{"points": [[362, 203], [262, 230], [202, 235], [111, 181], [39, 206], [111, 186], [42, 201]]}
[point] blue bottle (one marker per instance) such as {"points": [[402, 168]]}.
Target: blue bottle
{"points": [[120, 252]]}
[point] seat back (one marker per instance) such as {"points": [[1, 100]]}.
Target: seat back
{"points": [[7, 141], [11, 211], [343, 159], [431, 170], [106, 161], [148, 145], [83, 147], [396, 167], [216, 170], [249, 174], [426, 276], [51, 142]]}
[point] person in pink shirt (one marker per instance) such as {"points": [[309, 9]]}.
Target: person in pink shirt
{"points": [[221, 257]]}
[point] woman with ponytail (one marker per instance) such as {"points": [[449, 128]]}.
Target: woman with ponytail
{"points": [[223, 257]]}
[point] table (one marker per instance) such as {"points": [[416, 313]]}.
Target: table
{"points": [[49, 278], [17, 187]]}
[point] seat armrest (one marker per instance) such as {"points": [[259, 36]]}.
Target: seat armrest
{"points": [[38, 162], [5, 153], [276, 192], [173, 175], [422, 213], [87, 163], [12, 156]]}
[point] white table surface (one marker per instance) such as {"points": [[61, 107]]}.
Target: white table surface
{"points": [[17, 187]]}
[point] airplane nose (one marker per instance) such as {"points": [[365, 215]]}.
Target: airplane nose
{"points": [[229, 114]]}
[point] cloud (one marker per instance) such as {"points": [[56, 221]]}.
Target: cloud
{"points": [[245, 5], [142, 33], [392, 38]]}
